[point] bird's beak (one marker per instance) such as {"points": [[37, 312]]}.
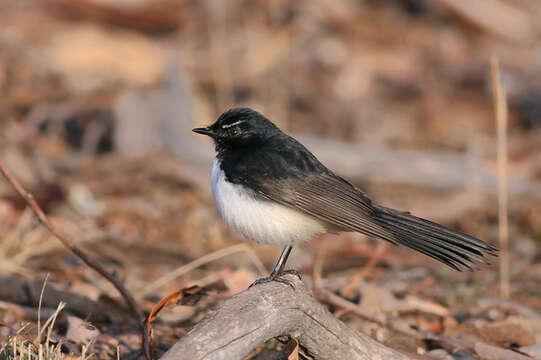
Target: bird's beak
{"points": [[205, 131]]}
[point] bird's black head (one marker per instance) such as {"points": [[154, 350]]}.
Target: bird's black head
{"points": [[239, 127]]}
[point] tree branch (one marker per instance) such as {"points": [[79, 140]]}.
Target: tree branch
{"points": [[248, 319]]}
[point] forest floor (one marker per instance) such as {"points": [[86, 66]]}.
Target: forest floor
{"points": [[96, 105]]}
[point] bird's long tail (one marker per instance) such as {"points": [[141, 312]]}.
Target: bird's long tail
{"points": [[453, 248]]}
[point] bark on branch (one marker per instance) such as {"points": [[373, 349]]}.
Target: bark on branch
{"points": [[248, 319]]}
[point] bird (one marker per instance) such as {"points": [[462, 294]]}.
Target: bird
{"points": [[271, 189]]}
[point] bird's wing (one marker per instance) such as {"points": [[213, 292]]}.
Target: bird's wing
{"points": [[301, 182], [334, 200], [328, 198]]}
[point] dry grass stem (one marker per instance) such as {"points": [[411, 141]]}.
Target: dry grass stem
{"points": [[38, 339], [48, 325], [26, 349], [500, 109], [317, 271]]}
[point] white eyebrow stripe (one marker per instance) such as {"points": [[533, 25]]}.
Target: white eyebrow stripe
{"points": [[233, 124]]}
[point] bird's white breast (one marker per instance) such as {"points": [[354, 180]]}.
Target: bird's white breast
{"points": [[258, 220]]}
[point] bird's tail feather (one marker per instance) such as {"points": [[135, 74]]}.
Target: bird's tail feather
{"points": [[453, 248]]}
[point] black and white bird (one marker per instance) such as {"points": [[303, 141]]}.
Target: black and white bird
{"points": [[272, 190]]}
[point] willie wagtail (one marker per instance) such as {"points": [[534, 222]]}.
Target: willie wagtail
{"points": [[272, 190]]}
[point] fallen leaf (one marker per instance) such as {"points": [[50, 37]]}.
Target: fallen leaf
{"points": [[189, 295]]}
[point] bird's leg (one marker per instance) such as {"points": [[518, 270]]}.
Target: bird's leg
{"points": [[278, 271]]}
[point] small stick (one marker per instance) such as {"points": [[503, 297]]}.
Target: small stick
{"points": [[500, 109], [29, 198]]}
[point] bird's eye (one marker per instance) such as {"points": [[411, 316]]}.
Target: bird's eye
{"points": [[234, 131]]}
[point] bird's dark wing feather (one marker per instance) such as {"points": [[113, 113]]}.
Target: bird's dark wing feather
{"points": [[334, 200], [331, 199]]}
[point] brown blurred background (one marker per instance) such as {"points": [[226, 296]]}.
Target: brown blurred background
{"points": [[98, 97]]}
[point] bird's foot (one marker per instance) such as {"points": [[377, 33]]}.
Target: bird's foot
{"points": [[278, 278]]}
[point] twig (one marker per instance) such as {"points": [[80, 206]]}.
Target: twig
{"points": [[395, 324], [329, 297], [500, 110], [29, 198], [392, 323]]}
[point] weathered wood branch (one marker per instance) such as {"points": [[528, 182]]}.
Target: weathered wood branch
{"points": [[248, 319]]}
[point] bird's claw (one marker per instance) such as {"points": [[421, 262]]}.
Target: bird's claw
{"points": [[278, 278]]}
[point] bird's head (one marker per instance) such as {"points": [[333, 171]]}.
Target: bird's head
{"points": [[239, 127]]}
